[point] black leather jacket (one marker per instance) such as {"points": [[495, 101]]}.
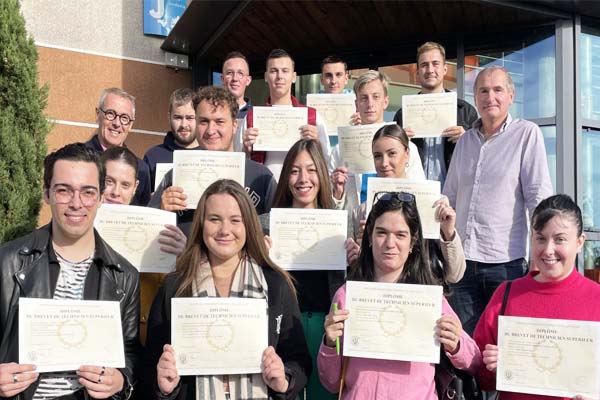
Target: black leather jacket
{"points": [[27, 270]]}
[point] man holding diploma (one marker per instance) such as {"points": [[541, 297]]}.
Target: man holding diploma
{"points": [[67, 259], [435, 153], [280, 75], [216, 111]]}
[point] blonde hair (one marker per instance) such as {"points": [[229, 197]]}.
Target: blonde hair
{"points": [[428, 46], [370, 76]]}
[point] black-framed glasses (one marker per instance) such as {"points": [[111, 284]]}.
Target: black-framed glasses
{"points": [[111, 115], [63, 194], [390, 196]]}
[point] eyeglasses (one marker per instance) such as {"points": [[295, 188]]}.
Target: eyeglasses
{"points": [[65, 194], [390, 196], [231, 74], [111, 115]]}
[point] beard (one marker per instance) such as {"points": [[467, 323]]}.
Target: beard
{"points": [[184, 141]]}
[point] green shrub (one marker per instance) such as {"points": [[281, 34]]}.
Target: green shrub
{"points": [[23, 126]]}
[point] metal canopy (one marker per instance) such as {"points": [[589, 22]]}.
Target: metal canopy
{"points": [[362, 32]]}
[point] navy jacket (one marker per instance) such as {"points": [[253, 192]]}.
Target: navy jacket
{"points": [[162, 153], [142, 194], [258, 182]]}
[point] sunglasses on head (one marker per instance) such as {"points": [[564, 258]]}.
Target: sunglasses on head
{"points": [[391, 196]]}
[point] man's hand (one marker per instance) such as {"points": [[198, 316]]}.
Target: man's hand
{"points": [[339, 177], [355, 119], [409, 132], [15, 378], [249, 138], [173, 199], [100, 382], [309, 132], [453, 133]]}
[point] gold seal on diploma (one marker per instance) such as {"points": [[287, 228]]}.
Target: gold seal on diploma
{"points": [[364, 148], [72, 333], [135, 238], [547, 355], [220, 335], [308, 237], [330, 114], [280, 128], [392, 320], [207, 176], [429, 114]]}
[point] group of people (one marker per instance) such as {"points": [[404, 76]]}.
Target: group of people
{"points": [[495, 181]]}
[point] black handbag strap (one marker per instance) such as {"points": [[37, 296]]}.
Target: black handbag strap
{"points": [[505, 298]]}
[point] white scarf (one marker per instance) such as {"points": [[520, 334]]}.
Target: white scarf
{"points": [[248, 281]]}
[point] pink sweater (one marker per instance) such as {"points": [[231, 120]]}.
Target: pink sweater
{"points": [[371, 379], [575, 298]]}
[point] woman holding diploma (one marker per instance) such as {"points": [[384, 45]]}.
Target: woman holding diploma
{"points": [[304, 184], [391, 154], [121, 167], [392, 251], [120, 185], [552, 289], [226, 256]]}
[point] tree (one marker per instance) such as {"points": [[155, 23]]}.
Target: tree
{"points": [[23, 126]]}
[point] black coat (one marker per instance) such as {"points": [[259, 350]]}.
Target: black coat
{"points": [[28, 271], [289, 342]]}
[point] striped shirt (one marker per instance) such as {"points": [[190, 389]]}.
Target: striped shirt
{"points": [[69, 286]]}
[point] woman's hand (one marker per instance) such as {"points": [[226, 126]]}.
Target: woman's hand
{"points": [[100, 382], [273, 371], [172, 240], [352, 251], [15, 378], [173, 199], [268, 242], [334, 326], [447, 217], [339, 177], [449, 330], [490, 357], [166, 370], [361, 230]]}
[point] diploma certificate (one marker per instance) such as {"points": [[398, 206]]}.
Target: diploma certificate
{"points": [[308, 239], [426, 193], [278, 127], [549, 357], [215, 335], [62, 335], [160, 172], [392, 321], [335, 109], [195, 170], [429, 114], [133, 232], [355, 147]]}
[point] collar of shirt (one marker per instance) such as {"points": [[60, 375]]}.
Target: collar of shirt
{"points": [[477, 125]]}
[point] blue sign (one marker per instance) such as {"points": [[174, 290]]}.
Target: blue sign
{"points": [[160, 16]]}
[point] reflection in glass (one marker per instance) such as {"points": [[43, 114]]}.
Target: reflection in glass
{"points": [[590, 76], [549, 133], [532, 68], [591, 254], [590, 148]]}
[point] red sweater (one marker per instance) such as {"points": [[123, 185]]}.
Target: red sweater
{"points": [[574, 298]]}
